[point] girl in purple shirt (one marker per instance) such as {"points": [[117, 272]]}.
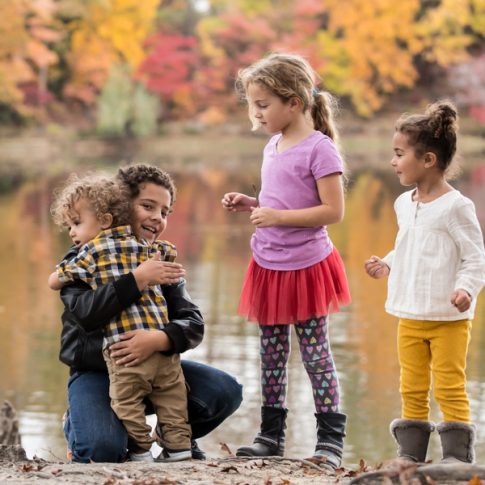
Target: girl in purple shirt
{"points": [[296, 275]]}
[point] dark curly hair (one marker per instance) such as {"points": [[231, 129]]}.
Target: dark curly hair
{"points": [[133, 176], [434, 131]]}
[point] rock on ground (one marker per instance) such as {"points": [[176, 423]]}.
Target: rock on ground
{"points": [[9, 425]]}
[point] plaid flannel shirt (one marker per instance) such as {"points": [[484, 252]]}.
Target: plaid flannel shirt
{"points": [[111, 254]]}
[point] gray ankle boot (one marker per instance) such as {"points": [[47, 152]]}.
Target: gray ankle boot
{"points": [[330, 439], [457, 442], [412, 438]]}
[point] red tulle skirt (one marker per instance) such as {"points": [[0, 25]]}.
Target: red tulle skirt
{"points": [[272, 297]]}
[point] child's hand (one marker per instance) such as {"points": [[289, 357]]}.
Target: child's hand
{"points": [[237, 202], [136, 346], [53, 282], [461, 299], [376, 268], [264, 217], [156, 272]]}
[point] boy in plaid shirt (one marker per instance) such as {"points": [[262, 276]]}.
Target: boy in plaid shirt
{"points": [[95, 209]]}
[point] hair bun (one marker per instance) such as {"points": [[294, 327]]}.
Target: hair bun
{"points": [[443, 117]]}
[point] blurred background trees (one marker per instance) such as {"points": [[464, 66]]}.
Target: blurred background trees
{"points": [[127, 65]]}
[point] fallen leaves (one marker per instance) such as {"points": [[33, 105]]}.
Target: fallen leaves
{"points": [[226, 449]]}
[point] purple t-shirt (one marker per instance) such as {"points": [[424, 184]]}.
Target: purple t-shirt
{"points": [[288, 181]]}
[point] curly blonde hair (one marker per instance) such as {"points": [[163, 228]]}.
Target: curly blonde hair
{"points": [[103, 193]]}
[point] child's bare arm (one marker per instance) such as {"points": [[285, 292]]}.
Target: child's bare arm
{"points": [[237, 202], [156, 272], [54, 282], [376, 267]]}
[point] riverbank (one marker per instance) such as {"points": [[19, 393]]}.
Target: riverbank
{"points": [[365, 144], [236, 471], [226, 471]]}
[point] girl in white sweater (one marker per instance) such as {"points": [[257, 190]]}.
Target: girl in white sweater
{"points": [[436, 271]]}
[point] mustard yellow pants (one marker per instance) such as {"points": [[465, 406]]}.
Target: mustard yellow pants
{"points": [[438, 349]]}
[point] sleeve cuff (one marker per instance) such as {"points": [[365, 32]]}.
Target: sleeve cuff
{"points": [[64, 276], [387, 259], [127, 290], [177, 337]]}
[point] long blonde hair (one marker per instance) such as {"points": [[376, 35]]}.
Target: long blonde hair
{"points": [[291, 76]]}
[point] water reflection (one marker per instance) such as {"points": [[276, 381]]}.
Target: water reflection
{"points": [[213, 245]]}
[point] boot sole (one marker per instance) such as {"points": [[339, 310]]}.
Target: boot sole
{"points": [[246, 454]]}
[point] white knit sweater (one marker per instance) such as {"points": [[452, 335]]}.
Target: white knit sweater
{"points": [[439, 248]]}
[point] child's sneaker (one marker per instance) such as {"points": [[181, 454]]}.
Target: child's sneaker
{"points": [[195, 451], [143, 456], [174, 455]]}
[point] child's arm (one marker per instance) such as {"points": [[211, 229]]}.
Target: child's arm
{"points": [[54, 282], [330, 211], [376, 267], [237, 202], [470, 277], [156, 272], [81, 266], [184, 331]]}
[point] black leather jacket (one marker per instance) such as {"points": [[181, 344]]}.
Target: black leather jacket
{"points": [[86, 311]]}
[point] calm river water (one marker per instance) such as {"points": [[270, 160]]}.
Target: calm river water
{"points": [[214, 247]]}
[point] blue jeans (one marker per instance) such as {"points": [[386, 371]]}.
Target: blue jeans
{"points": [[94, 433]]}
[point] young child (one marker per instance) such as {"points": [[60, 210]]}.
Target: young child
{"points": [[436, 271], [95, 210], [296, 275]]}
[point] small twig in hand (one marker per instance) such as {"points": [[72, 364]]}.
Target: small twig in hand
{"points": [[255, 190]]}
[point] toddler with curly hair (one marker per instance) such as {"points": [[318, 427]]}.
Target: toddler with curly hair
{"points": [[96, 210]]}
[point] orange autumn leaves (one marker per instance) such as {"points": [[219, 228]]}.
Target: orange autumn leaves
{"points": [[65, 50]]}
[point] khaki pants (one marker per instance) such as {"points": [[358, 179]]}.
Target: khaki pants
{"points": [[437, 349], [160, 378]]}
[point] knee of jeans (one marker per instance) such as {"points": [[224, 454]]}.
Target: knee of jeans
{"points": [[235, 397], [223, 403], [229, 400]]}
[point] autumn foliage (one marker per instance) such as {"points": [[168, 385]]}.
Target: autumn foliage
{"points": [[63, 52]]}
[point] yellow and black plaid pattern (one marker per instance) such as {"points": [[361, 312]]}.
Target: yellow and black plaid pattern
{"points": [[111, 254]]}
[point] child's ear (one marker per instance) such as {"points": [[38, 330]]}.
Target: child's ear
{"points": [[106, 220], [295, 102], [430, 160]]}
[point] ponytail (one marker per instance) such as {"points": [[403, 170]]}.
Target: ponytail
{"points": [[322, 111]]}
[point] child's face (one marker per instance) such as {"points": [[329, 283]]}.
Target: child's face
{"points": [[409, 168], [82, 223], [268, 110], [150, 211]]}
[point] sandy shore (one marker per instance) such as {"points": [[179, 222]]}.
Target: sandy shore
{"points": [[225, 471]]}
